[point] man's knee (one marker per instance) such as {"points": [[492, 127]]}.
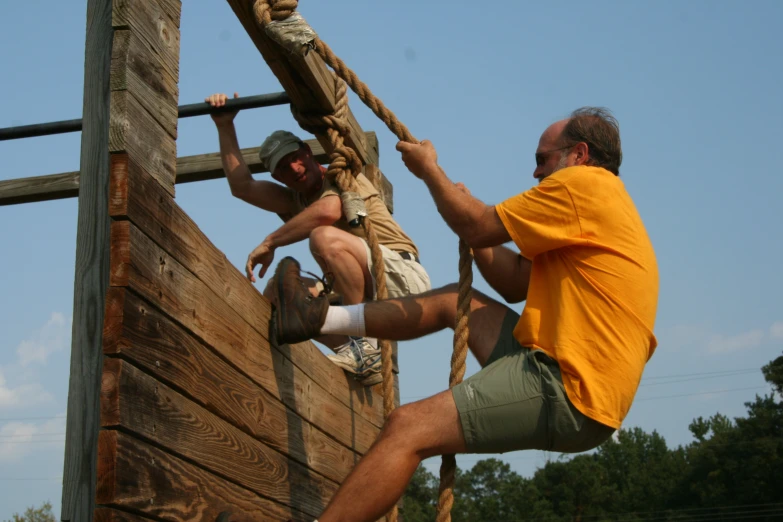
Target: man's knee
{"points": [[327, 240], [400, 422]]}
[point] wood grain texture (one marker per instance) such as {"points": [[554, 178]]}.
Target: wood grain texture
{"points": [[139, 333], [39, 188], [105, 514], [136, 70], [138, 404], [173, 8], [137, 198], [138, 477], [307, 80], [91, 275], [155, 26], [135, 132], [140, 264]]}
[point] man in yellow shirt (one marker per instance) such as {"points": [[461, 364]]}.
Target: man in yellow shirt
{"points": [[560, 377]]}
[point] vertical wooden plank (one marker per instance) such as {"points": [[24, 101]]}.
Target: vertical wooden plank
{"points": [[92, 273]]}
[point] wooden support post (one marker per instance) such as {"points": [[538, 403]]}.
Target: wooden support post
{"points": [[92, 274]]}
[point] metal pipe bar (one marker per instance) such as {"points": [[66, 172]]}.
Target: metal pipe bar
{"points": [[184, 111]]}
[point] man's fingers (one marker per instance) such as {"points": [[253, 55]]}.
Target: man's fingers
{"points": [[262, 272], [236, 95], [404, 146], [249, 270]]}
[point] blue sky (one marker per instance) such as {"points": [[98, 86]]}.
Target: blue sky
{"points": [[695, 85]]}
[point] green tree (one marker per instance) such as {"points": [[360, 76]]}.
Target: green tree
{"points": [[733, 469], [421, 496], [32, 514], [741, 461]]}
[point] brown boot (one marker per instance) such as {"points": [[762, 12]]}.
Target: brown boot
{"points": [[300, 316]]}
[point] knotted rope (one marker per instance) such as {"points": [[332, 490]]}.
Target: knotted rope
{"points": [[343, 161], [267, 11]]}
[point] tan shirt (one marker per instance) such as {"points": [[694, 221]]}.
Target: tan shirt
{"points": [[388, 231]]}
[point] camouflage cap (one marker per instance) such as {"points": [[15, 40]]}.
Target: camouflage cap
{"points": [[277, 145]]}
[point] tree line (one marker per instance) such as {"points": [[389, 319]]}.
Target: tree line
{"points": [[732, 470]]}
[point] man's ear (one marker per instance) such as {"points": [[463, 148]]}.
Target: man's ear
{"points": [[275, 177], [581, 153]]}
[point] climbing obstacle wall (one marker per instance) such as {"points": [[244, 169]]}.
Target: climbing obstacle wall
{"points": [[199, 412]]}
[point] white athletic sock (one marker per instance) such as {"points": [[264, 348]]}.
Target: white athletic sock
{"points": [[345, 320]]}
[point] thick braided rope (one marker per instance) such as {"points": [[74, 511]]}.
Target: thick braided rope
{"points": [[448, 465], [268, 10], [340, 170]]}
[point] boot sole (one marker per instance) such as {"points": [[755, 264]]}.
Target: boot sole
{"points": [[281, 268]]}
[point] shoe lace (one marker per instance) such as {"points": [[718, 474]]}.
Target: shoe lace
{"points": [[357, 350], [327, 280]]}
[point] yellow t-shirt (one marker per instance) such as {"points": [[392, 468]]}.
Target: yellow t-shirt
{"points": [[593, 291]]}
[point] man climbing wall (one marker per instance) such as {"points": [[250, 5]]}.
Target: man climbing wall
{"points": [[560, 377], [304, 193]]}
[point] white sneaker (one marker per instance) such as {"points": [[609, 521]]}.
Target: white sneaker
{"points": [[359, 357]]}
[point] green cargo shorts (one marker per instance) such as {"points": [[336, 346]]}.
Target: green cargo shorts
{"points": [[517, 401]]}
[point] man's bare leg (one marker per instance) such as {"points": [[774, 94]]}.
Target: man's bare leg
{"points": [[412, 433], [345, 257], [422, 314]]}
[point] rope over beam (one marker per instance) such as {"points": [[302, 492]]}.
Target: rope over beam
{"points": [[267, 12]]}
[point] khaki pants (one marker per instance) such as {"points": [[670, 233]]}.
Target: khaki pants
{"points": [[517, 401], [403, 276]]}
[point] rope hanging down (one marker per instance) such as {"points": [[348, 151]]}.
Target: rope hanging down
{"points": [[343, 161], [269, 14]]}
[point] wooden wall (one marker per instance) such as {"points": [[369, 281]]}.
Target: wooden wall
{"points": [[199, 412]]}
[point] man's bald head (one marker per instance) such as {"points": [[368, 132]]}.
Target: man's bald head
{"points": [[590, 136], [596, 127]]}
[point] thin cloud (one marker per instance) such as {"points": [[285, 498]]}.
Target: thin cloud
{"points": [[50, 338], [22, 395], [19, 439], [743, 341], [776, 330]]}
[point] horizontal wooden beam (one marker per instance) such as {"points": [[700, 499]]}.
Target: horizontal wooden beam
{"points": [[200, 167]]}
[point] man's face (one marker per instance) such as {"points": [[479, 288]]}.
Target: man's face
{"points": [[298, 170], [551, 156]]}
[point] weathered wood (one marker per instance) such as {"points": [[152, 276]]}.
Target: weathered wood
{"points": [[135, 196], [142, 335], [141, 478], [139, 263], [135, 132], [138, 404], [307, 80], [135, 69], [156, 27], [200, 167], [173, 8], [91, 275], [104, 514], [39, 188]]}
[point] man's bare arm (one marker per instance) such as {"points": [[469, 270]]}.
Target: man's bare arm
{"points": [[261, 193], [326, 211], [507, 272], [477, 223]]}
